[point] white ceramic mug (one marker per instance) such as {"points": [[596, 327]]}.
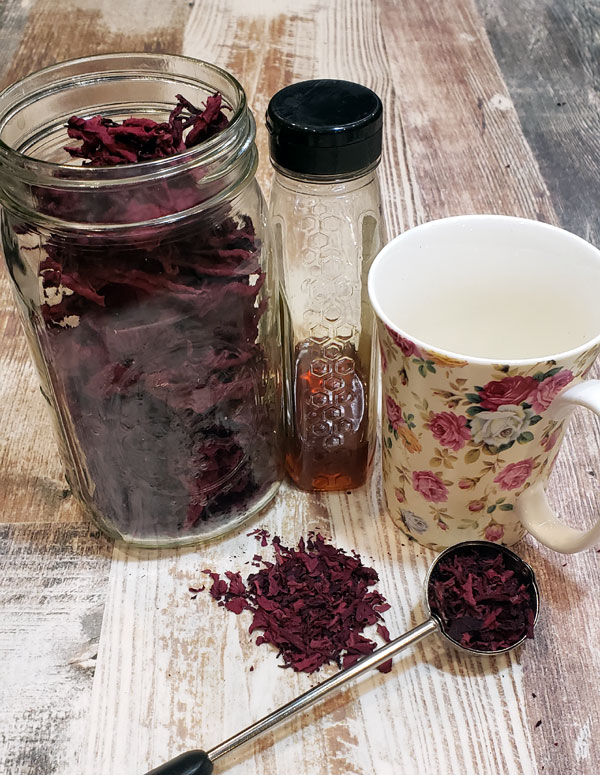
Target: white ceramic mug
{"points": [[488, 326]]}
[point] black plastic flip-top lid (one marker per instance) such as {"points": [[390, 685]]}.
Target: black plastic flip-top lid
{"points": [[325, 127]]}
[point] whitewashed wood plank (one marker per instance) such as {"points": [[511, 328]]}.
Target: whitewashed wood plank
{"points": [[158, 690], [557, 95], [32, 484], [52, 589], [56, 31], [442, 709]]}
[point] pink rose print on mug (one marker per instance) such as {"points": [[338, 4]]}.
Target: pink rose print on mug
{"points": [[408, 348], [515, 474], [400, 497], [548, 389], [430, 486], [450, 430], [494, 532], [394, 413], [384, 363], [476, 506], [510, 390], [549, 441], [467, 483], [476, 422]]}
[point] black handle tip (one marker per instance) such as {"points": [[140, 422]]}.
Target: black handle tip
{"points": [[188, 763]]}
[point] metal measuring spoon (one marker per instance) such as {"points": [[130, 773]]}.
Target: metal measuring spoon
{"points": [[201, 762]]}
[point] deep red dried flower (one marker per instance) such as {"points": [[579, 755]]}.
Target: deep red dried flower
{"points": [[312, 603], [483, 603], [153, 334], [106, 143]]}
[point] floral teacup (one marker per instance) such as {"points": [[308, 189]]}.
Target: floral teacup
{"points": [[488, 326]]}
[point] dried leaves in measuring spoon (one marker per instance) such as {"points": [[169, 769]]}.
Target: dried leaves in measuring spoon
{"points": [[482, 597]]}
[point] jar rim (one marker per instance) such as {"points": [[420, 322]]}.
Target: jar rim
{"points": [[30, 87]]}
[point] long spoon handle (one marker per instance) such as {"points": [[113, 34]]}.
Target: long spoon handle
{"points": [[200, 762]]}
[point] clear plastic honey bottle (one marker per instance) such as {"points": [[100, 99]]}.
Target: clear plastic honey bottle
{"points": [[325, 146]]}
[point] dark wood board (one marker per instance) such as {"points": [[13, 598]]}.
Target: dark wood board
{"points": [[549, 54]]}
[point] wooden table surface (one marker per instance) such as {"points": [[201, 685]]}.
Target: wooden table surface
{"points": [[107, 666]]}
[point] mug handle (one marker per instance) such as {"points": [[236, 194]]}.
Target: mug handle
{"points": [[532, 507]]}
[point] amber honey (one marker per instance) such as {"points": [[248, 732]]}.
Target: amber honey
{"points": [[329, 445]]}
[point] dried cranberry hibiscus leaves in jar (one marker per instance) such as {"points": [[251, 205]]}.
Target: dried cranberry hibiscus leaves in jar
{"points": [[106, 143], [152, 337]]}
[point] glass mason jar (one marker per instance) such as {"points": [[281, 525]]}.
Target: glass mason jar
{"points": [[326, 214], [148, 299]]}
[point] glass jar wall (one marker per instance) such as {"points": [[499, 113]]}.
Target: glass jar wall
{"points": [[148, 299]]}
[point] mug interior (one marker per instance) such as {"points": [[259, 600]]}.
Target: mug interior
{"points": [[489, 287]]}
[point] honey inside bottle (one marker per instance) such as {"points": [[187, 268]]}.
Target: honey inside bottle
{"points": [[329, 445], [325, 140]]}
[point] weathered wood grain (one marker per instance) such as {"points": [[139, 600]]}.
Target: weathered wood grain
{"points": [[13, 18], [32, 484], [462, 131], [440, 713], [465, 146], [53, 583], [560, 673], [548, 53], [172, 672], [62, 30]]}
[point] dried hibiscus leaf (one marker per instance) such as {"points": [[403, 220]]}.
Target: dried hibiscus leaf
{"points": [[312, 603], [483, 603], [105, 142]]}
